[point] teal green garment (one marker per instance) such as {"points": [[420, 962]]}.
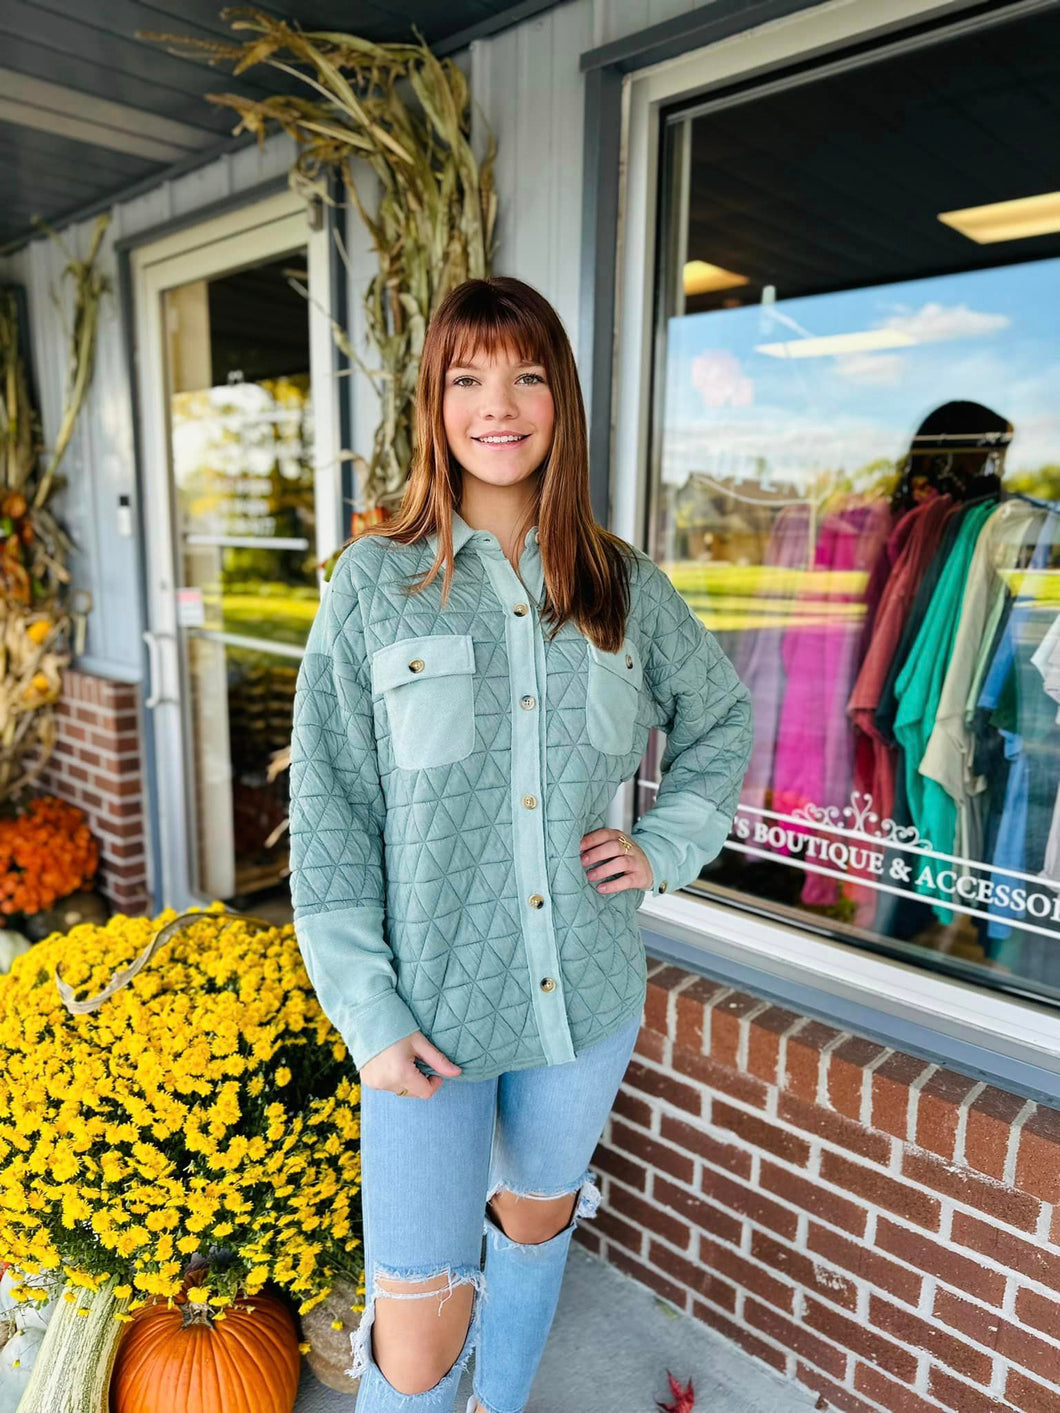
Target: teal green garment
{"points": [[918, 688], [446, 761]]}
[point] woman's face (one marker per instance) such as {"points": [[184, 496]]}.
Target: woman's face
{"points": [[498, 416]]}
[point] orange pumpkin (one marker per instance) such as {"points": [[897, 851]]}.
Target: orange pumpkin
{"points": [[182, 1357]]}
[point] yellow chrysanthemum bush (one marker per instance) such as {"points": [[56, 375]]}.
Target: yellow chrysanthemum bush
{"points": [[207, 1108]]}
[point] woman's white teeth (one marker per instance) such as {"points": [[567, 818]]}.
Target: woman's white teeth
{"points": [[499, 441]]}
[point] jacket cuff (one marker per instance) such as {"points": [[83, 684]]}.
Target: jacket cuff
{"points": [[661, 858], [680, 836], [380, 1022], [350, 966]]}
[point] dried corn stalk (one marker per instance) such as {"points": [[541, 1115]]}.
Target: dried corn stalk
{"points": [[434, 222], [35, 610]]}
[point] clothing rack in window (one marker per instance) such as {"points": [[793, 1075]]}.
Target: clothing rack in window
{"points": [[972, 441], [775, 503]]}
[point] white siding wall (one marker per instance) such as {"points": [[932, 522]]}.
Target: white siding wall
{"points": [[531, 93], [615, 19], [530, 90]]}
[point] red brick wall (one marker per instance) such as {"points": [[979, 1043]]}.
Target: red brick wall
{"points": [[97, 765], [875, 1226]]}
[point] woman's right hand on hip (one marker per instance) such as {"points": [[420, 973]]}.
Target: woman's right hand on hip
{"points": [[395, 1069]]}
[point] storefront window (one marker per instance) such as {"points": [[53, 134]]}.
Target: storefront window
{"points": [[856, 485]]}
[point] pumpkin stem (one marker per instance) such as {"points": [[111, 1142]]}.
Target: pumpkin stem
{"points": [[71, 1373], [196, 1315]]}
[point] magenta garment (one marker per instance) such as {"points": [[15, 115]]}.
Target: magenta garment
{"points": [[757, 657], [814, 762], [880, 577]]}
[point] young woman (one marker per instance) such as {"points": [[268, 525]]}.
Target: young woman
{"points": [[467, 919]]}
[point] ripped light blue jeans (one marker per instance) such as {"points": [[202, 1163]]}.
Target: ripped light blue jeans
{"points": [[428, 1169]]}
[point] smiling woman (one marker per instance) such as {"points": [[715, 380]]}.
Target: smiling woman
{"points": [[468, 920]]}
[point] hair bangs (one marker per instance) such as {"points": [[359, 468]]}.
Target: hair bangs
{"points": [[491, 327]]}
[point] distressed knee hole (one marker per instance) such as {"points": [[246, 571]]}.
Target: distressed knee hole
{"points": [[538, 1229], [586, 1197], [417, 1285]]}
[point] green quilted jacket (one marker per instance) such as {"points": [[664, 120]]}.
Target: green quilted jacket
{"points": [[445, 764]]}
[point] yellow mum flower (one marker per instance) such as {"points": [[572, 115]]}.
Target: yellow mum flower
{"points": [[97, 1110]]}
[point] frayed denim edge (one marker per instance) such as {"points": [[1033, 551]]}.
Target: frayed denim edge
{"points": [[475, 1399], [360, 1340]]}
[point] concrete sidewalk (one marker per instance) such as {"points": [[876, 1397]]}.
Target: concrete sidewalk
{"points": [[610, 1347]]}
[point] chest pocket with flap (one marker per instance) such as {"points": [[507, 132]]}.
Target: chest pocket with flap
{"points": [[612, 694], [428, 685]]}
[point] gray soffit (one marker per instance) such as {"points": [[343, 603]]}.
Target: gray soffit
{"points": [[90, 113]]}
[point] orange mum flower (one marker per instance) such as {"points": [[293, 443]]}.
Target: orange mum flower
{"points": [[45, 853]]}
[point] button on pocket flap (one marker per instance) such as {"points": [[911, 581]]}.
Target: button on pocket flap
{"points": [[625, 663], [415, 659]]}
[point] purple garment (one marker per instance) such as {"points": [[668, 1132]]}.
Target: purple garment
{"points": [[814, 763], [757, 658]]}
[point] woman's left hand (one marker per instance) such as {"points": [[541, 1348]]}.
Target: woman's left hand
{"points": [[603, 856]]}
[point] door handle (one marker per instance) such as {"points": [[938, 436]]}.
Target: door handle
{"points": [[154, 671]]}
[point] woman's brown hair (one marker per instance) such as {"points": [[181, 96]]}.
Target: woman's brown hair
{"points": [[586, 568]]}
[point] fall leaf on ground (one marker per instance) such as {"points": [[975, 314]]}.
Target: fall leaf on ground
{"points": [[685, 1398]]}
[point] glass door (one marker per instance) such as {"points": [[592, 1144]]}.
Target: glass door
{"points": [[241, 507]]}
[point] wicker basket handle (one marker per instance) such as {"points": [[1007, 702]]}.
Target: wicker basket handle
{"points": [[125, 975]]}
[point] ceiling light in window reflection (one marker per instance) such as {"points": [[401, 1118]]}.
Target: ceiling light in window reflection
{"points": [[1007, 220], [703, 278], [863, 341]]}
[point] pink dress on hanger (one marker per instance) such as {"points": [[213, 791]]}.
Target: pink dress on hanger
{"points": [[814, 764], [757, 658]]}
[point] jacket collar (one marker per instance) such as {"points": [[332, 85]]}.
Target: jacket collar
{"points": [[462, 532]]}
